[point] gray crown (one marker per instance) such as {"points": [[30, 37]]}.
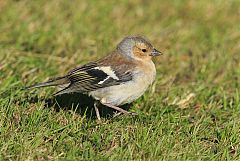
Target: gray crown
{"points": [[127, 44]]}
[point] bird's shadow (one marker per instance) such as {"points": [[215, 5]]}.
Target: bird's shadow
{"points": [[79, 103]]}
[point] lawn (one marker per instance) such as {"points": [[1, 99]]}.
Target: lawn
{"points": [[192, 111]]}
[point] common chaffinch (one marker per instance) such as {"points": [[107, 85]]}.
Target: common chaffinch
{"points": [[117, 79]]}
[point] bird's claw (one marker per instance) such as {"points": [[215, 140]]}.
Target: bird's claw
{"points": [[129, 113]]}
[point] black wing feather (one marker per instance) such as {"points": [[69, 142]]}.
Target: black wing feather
{"points": [[88, 77]]}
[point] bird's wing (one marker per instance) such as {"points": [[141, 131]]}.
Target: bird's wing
{"points": [[93, 76]]}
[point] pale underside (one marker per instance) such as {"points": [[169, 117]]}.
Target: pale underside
{"points": [[126, 92]]}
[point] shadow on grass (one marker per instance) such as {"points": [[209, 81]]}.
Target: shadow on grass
{"points": [[79, 103]]}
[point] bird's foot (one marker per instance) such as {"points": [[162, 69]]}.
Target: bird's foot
{"points": [[129, 113]]}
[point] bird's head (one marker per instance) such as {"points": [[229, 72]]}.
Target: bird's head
{"points": [[138, 48]]}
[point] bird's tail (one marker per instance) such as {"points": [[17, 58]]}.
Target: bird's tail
{"points": [[52, 82]]}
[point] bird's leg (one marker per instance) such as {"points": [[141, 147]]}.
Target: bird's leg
{"points": [[97, 110], [117, 114], [118, 109]]}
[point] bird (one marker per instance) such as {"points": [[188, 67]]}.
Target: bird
{"points": [[117, 79]]}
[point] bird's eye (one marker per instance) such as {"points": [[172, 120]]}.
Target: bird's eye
{"points": [[144, 50]]}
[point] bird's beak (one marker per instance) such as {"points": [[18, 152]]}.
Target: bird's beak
{"points": [[155, 52]]}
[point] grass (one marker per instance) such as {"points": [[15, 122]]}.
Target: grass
{"points": [[191, 112]]}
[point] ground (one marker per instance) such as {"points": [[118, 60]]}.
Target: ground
{"points": [[190, 113]]}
